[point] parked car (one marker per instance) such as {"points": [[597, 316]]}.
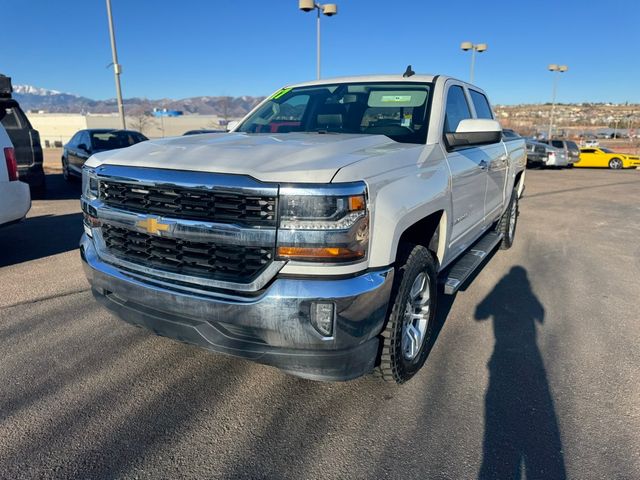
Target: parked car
{"points": [[591, 143], [199, 132], [319, 249], [25, 139], [605, 158], [556, 157], [15, 199], [570, 148], [537, 153], [87, 142]]}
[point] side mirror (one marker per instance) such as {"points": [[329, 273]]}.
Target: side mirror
{"points": [[83, 147], [232, 125], [472, 131]]}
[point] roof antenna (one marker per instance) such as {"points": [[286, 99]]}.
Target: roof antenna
{"points": [[408, 72]]}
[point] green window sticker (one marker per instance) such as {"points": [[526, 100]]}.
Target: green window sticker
{"points": [[397, 98], [280, 93]]}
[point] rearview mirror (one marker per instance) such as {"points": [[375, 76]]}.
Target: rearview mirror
{"points": [[475, 131], [232, 125]]}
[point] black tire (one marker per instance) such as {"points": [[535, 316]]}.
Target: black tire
{"points": [[66, 174], [395, 365], [615, 164], [505, 226]]}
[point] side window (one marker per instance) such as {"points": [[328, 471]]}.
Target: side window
{"points": [[74, 140], [457, 109], [480, 102], [10, 119], [85, 139], [588, 151], [557, 143]]}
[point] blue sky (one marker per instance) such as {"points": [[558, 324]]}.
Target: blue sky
{"points": [[214, 47]]}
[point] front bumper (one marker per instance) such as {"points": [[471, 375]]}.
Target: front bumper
{"points": [[272, 327]]}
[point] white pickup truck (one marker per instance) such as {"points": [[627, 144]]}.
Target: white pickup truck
{"points": [[15, 199], [312, 237]]}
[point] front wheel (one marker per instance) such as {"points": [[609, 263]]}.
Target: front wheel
{"points": [[406, 337], [65, 170], [615, 164], [508, 222]]}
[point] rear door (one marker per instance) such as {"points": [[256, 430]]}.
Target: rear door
{"points": [[468, 167], [18, 128], [497, 162]]}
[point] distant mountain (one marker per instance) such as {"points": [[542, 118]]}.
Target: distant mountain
{"points": [[36, 99]]}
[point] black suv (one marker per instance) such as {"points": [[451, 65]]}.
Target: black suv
{"points": [[26, 140]]}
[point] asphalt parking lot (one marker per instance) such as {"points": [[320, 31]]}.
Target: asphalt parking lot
{"points": [[535, 368]]}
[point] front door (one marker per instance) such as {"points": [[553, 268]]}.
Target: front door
{"points": [[468, 167]]}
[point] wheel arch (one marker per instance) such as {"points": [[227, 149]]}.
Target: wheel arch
{"points": [[430, 232]]}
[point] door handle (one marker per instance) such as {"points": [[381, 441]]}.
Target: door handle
{"points": [[483, 165]]}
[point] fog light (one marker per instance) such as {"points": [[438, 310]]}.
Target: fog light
{"points": [[322, 318]]}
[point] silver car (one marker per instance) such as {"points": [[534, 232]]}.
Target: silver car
{"points": [[571, 149], [556, 157]]}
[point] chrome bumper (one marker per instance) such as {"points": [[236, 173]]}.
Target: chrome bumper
{"points": [[271, 327]]}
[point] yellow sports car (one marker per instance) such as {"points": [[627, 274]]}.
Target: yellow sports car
{"points": [[603, 157]]}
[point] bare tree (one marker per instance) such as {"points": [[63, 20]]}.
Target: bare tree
{"points": [[141, 121], [225, 108]]}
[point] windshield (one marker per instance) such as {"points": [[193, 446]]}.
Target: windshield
{"points": [[113, 140], [395, 110]]}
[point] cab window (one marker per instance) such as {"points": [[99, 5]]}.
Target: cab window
{"points": [[457, 109], [481, 104]]}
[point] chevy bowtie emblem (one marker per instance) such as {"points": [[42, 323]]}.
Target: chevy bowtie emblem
{"points": [[153, 226]]}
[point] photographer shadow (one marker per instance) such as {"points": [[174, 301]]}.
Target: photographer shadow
{"points": [[522, 436]]}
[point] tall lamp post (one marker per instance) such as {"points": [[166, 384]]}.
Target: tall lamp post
{"points": [[553, 68], [477, 47], [328, 9], [117, 68]]}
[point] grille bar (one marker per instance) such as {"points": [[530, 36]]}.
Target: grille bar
{"points": [[190, 204], [206, 260]]}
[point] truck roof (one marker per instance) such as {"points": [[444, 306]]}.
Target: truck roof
{"points": [[369, 78]]}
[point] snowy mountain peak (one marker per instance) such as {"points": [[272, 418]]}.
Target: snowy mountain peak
{"points": [[31, 90]]}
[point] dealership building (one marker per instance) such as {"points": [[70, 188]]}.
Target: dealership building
{"points": [[57, 128]]}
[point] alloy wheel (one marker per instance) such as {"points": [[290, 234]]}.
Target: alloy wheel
{"points": [[416, 317]]}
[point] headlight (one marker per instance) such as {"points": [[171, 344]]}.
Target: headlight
{"points": [[328, 223], [90, 184]]}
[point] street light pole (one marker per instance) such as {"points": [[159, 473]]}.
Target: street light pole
{"points": [[479, 47], [318, 44], [117, 69], [328, 9], [557, 69]]}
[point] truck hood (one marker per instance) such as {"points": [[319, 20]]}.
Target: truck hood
{"points": [[285, 157]]}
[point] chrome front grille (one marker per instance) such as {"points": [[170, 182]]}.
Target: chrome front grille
{"points": [[191, 204], [192, 228]]}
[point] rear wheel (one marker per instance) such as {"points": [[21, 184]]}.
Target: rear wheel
{"points": [[615, 164], [508, 222], [406, 337]]}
